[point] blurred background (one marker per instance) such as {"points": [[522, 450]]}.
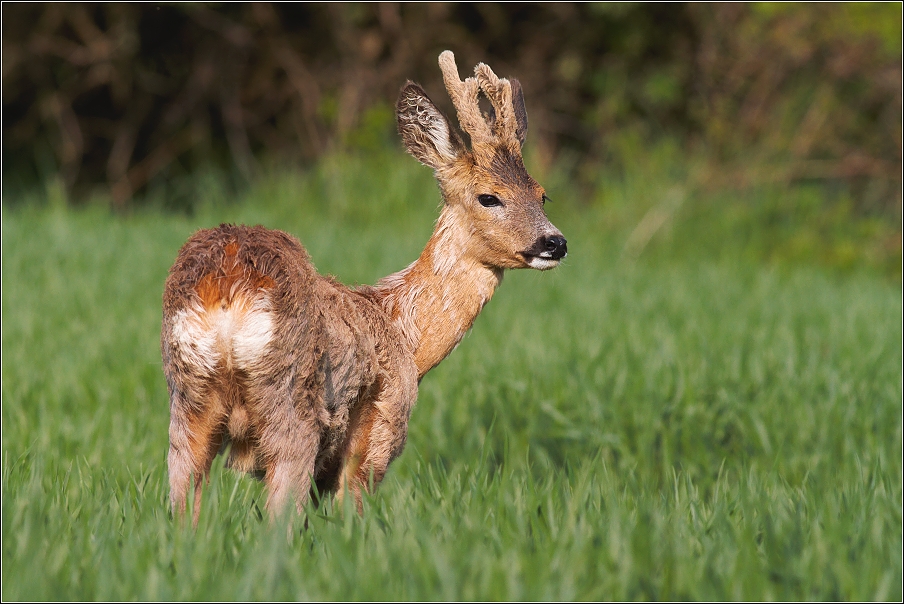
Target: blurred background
{"points": [[702, 403], [116, 101]]}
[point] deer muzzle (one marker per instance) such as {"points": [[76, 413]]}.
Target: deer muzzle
{"points": [[546, 252]]}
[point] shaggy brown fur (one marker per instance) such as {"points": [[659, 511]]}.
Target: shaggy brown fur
{"points": [[307, 379]]}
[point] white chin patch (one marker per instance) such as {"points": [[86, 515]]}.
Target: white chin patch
{"points": [[542, 264]]}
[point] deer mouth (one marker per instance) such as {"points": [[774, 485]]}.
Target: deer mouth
{"points": [[541, 262]]}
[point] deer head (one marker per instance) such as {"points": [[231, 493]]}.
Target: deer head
{"points": [[493, 209]]}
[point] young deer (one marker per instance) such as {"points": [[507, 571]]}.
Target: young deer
{"points": [[308, 379]]}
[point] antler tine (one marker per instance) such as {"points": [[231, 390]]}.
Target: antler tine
{"points": [[499, 92], [464, 97]]}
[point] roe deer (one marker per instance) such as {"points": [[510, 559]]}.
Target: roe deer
{"points": [[307, 379]]}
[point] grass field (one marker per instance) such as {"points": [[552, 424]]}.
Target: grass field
{"points": [[684, 420]]}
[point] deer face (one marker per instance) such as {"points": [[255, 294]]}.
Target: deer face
{"points": [[496, 206], [503, 208]]}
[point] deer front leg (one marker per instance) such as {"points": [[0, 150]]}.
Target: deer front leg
{"points": [[377, 433]]}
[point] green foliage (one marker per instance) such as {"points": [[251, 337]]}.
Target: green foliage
{"points": [[123, 97], [868, 20], [690, 418]]}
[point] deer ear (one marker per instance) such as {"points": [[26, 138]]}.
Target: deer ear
{"points": [[520, 110], [426, 132]]}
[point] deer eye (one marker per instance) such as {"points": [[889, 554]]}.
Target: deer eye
{"points": [[489, 201]]}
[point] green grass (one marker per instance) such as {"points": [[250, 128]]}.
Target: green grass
{"points": [[691, 420]]}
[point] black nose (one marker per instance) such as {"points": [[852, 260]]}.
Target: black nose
{"points": [[556, 246]]}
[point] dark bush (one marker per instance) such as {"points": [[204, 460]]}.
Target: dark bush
{"points": [[117, 96]]}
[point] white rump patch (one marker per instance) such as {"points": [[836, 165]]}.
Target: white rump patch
{"points": [[236, 335], [255, 331], [196, 343]]}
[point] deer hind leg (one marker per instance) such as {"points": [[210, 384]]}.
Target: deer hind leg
{"points": [[195, 438], [289, 448], [289, 438]]}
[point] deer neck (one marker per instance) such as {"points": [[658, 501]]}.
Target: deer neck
{"points": [[435, 300]]}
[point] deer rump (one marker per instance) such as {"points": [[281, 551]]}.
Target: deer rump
{"points": [[264, 354]]}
